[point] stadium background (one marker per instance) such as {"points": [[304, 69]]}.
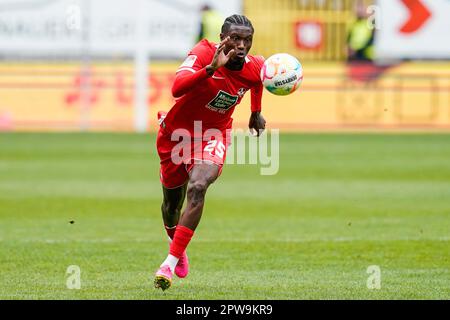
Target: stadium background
{"points": [[55, 80], [79, 186]]}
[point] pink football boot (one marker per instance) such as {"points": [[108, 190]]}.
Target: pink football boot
{"points": [[182, 268], [163, 278]]}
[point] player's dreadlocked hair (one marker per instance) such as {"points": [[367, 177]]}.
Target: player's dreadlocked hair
{"points": [[238, 20]]}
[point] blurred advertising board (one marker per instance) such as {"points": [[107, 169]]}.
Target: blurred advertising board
{"points": [[102, 27], [413, 29], [410, 96]]}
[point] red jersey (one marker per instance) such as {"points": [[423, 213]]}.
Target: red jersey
{"points": [[211, 99]]}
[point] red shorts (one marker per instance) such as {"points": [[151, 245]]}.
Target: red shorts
{"points": [[179, 156]]}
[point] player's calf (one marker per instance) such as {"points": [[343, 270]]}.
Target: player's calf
{"points": [[171, 207]]}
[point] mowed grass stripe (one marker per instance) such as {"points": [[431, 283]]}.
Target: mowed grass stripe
{"points": [[339, 203]]}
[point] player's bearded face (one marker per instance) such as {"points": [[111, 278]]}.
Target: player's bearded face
{"points": [[241, 38]]}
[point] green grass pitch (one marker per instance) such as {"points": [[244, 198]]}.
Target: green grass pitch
{"points": [[339, 204]]}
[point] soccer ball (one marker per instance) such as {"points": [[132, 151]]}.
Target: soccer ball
{"points": [[281, 74]]}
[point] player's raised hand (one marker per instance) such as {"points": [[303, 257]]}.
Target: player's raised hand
{"points": [[220, 58]]}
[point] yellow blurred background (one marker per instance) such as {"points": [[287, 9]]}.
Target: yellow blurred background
{"points": [[98, 94]]}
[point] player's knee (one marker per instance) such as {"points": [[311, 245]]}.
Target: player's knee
{"points": [[197, 189], [170, 208]]}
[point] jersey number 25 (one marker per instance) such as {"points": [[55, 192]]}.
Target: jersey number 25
{"points": [[215, 146]]}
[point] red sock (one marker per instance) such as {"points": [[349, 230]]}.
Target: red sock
{"points": [[180, 241], [170, 231]]}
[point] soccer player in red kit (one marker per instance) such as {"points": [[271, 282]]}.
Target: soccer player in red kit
{"points": [[207, 87]]}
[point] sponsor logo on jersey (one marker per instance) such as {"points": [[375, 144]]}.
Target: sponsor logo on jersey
{"points": [[241, 92], [222, 102]]}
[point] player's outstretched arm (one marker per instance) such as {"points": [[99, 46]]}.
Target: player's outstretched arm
{"points": [[186, 80], [257, 122]]}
